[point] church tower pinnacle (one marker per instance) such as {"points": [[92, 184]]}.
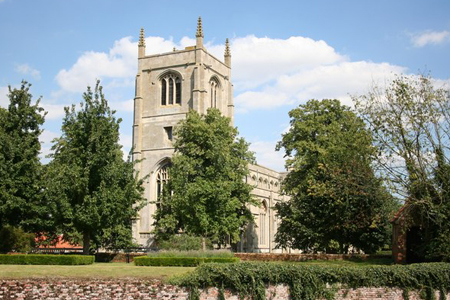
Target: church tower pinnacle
{"points": [[141, 44], [227, 55], [199, 34]]}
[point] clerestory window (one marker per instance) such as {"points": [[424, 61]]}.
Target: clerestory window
{"points": [[170, 90], [262, 223]]}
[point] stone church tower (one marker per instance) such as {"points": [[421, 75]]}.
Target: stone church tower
{"points": [[168, 85]]}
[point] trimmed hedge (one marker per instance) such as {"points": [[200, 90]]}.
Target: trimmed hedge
{"points": [[181, 261], [45, 259], [207, 253], [311, 282]]}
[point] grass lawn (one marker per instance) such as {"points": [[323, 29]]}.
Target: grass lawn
{"points": [[97, 270]]}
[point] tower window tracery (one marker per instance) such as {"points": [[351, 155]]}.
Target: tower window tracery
{"points": [[170, 90], [162, 178], [214, 90]]}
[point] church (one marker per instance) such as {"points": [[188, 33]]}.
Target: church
{"points": [[168, 85]]}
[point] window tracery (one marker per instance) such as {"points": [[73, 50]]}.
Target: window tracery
{"points": [[170, 90], [214, 90], [262, 223], [162, 178]]}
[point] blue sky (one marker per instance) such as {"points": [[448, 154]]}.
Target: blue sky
{"points": [[283, 52]]}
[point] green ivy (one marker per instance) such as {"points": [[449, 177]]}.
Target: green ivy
{"points": [[308, 282]]}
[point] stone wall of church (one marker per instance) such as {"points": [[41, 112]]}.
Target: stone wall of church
{"points": [[260, 235]]}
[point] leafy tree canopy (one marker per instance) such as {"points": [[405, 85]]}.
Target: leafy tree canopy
{"points": [[207, 195], [336, 199], [93, 192], [20, 168], [410, 120]]}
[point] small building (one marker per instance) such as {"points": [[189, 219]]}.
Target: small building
{"points": [[406, 235]]}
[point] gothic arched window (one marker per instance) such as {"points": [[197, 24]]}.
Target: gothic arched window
{"points": [[170, 90], [214, 90], [162, 178], [262, 223]]}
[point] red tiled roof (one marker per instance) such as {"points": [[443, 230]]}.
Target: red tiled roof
{"points": [[59, 244]]}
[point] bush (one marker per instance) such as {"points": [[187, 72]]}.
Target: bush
{"points": [[183, 242], [13, 238], [308, 282], [45, 259], [181, 261], [210, 253]]}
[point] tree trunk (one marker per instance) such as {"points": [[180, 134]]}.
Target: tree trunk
{"points": [[203, 243], [86, 243]]}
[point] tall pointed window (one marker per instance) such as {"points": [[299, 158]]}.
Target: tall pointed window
{"points": [[262, 223], [170, 90], [162, 178], [214, 91]]}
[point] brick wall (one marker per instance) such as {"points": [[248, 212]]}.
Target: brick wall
{"points": [[84, 289]]}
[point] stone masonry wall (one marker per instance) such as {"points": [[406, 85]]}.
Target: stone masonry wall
{"points": [[92, 289]]}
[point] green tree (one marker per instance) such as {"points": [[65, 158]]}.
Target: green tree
{"points": [[207, 195], [336, 199], [92, 191], [21, 202], [410, 120]]}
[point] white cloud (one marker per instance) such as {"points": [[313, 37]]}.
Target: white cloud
{"points": [[328, 81], [46, 139], [267, 156], [119, 64], [4, 100], [125, 140], [25, 69], [256, 61], [430, 38], [54, 111], [122, 106]]}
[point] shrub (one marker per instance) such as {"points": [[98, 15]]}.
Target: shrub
{"points": [[210, 253], [181, 261], [308, 282], [45, 259], [183, 242], [14, 238]]}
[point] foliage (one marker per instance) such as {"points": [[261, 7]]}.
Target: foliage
{"points": [[210, 253], [336, 199], [93, 192], [45, 259], [183, 242], [206, 195], [181, 261], [310, 282], [21, 202], [14, 238], [410, 120]]}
